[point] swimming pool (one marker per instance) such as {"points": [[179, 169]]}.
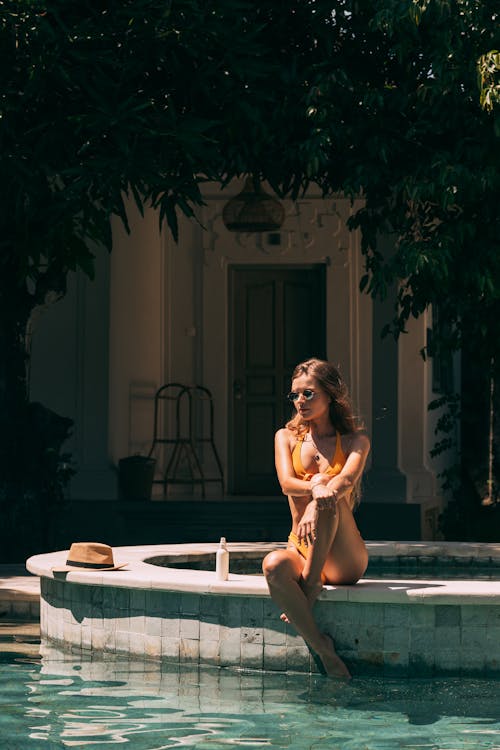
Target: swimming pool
{"points": [[60, 701], [393, 626]]}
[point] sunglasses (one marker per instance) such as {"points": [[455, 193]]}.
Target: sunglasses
{"points": [[307, 393]]}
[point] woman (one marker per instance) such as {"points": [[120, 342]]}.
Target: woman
{"points": [[320, 456]]}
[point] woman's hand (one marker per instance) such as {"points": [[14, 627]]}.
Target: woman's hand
{"points": [[307, 526], [319, 479], [325, 498]]}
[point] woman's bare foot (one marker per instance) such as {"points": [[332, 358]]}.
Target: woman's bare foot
{"points": [[311, 593], [333, 664]]}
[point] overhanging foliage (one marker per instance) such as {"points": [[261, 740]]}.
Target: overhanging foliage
{"points": [[396, 100]]}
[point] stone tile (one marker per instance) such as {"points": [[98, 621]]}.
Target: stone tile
{"points": [[396, 662], [211, 606], [152, 646], [421, 665], [492, 615], [447, 616], [329, 613], [137, 601], [292, 639], [122, 641], [373, 662], [395, 639], [189, 604], [252, 612], [493, 640], [109, 606], [275, 657], [137, 624], [170, 647], [209, 630], [189, 649], [472, 662], [190, 628], [96, 597], [137, 644], [86, 638], [121, 621], [345, 636], [109, 639], [447, 638], [447, 661], [76, 636], [209, 681], [274, 633], [422, 616], [252, 655], [78, 610], [230, 652], [153, 626], [474, 615], [373, 638], [365, 614], [98, 638], [251, 635], [422, 640], [68, 632], [298, 658], [233, 611], [492, 664], [210, 651], [355, 612], [171, 603], [475, 638], [170, 627], [155, 602], [270, 610], [397, 615], [121, 600]]}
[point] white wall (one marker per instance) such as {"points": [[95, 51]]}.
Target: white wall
{"points": [[69, 374], [158, 312], [137, 337]]}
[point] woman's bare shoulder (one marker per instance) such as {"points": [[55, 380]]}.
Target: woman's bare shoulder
{"points": [[356, 442], [284, 434], [285, 437]]}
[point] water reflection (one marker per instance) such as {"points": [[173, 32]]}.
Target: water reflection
{"points": [[63, 701]]}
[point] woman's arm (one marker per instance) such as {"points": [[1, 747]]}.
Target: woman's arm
{"points": [[326, 495], [290, 484], [343, 483]]}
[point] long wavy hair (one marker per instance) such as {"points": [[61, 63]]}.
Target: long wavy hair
{"points": [[341, 412], [330, 380]]}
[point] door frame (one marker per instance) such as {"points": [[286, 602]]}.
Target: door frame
{"points": [[314, 231], [255, 267]]}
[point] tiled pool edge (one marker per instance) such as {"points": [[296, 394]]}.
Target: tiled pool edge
{"points": [[400, 627]]}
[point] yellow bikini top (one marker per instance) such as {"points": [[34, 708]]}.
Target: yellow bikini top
{"points": [[334, 468]]}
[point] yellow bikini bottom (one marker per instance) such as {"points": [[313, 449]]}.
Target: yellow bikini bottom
{"points": [[302, 549]]}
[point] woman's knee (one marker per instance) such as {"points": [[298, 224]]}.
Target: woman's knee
{"points": [[277, 565]]}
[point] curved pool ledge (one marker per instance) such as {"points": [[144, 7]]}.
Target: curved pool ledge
{"points": [[400, 626]]}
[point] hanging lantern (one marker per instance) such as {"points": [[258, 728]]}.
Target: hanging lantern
{"points": [[253, 210]]}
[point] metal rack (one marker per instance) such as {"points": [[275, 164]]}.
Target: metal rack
{"points": [[192, 437]]}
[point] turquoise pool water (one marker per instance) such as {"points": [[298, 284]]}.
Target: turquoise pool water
{"points": [[406, 568], [60, 701]]}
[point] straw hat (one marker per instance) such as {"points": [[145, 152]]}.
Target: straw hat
{"points": [[88, 556]]}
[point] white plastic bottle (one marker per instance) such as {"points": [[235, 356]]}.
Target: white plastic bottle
{"points": [[222, 561]]}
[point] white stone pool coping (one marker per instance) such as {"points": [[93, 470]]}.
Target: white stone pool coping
{"points": [[142, 575]]}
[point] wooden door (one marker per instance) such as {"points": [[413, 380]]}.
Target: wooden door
{"points": [[277, 320]]}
